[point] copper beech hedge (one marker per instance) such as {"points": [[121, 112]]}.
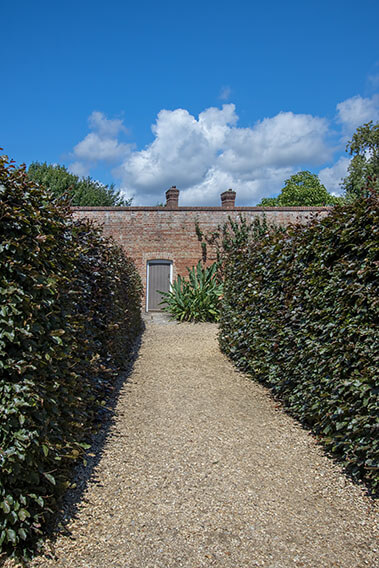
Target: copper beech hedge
{"points": [[69, 316], [300, 313]]}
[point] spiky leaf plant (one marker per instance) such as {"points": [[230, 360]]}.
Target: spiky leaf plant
{"points": [[196, 298]]}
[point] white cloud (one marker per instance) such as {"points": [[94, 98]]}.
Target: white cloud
{"points": [[79, 169], [281, 141], [250, 189], [105, 126], [331, 177], [95, 147], [184, 149], [357, 111], [100, 145], [205, 155]]}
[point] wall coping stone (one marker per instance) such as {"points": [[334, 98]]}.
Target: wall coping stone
{"points": [[222, 209]]}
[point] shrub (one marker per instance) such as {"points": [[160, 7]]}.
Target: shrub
{"points": [[65, 291], [226, 238], [80, 191], [299, 314], [195, 299]]}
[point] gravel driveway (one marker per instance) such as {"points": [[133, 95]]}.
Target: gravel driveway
{"points": [[202, 468]]}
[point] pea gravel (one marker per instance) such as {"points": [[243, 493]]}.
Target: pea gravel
{"points": [[201, 467]]}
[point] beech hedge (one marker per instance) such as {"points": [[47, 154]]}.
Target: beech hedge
{"points": [[300, 313], [69, 315]]}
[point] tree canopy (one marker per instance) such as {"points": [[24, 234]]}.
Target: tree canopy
{"points": [[364, 147], [301, 189], [81, 191]]}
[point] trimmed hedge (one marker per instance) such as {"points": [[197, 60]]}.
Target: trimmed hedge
{"points": [[69, 313], [299, 314]]}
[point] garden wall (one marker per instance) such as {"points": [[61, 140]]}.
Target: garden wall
{"points": [[149, 233]]}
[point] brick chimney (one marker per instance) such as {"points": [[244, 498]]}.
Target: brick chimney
{"points": [[172, 197], [228, 199]]}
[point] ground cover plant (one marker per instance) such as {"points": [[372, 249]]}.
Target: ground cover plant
{"points": [[196, 298], [69, 312], [299, 314]]}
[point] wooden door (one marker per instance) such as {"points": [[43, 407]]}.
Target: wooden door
{"points": [[158, 279]]}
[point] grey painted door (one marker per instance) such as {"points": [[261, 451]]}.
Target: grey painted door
{"points": [[159, 279]]}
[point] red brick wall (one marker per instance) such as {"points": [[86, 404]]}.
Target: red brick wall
{"points": [[148, 233]]}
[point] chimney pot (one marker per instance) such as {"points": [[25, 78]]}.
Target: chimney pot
{"points": [[172, 197], [228, 199]]}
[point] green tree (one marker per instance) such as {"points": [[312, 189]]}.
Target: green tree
{"points": [[364, 147], [81, 191], [303, 189]]}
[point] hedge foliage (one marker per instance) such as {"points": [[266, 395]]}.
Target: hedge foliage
{"points": [[299, 313], [69, 313]]}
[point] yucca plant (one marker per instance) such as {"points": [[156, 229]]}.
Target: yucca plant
{"points": [[195, 299]]}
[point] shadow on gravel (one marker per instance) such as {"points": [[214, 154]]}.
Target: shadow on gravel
{"points": [[84, 474]]}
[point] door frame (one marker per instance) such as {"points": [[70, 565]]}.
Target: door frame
{"points": [[156, 261]]}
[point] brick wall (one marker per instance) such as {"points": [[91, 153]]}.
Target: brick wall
{"points": [[168, 233]]}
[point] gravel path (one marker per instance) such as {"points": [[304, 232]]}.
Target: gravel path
{"points": [[202, 468]]}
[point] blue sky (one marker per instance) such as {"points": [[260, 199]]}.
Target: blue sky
{"points": [[203, 95]]}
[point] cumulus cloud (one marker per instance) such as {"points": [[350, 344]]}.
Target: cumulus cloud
{"points": [[79, 169], [100, 145], [250, 189], [95, 147], [357, 111], [206, 154], [184, 149], [284, 140], [105, 126]]}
